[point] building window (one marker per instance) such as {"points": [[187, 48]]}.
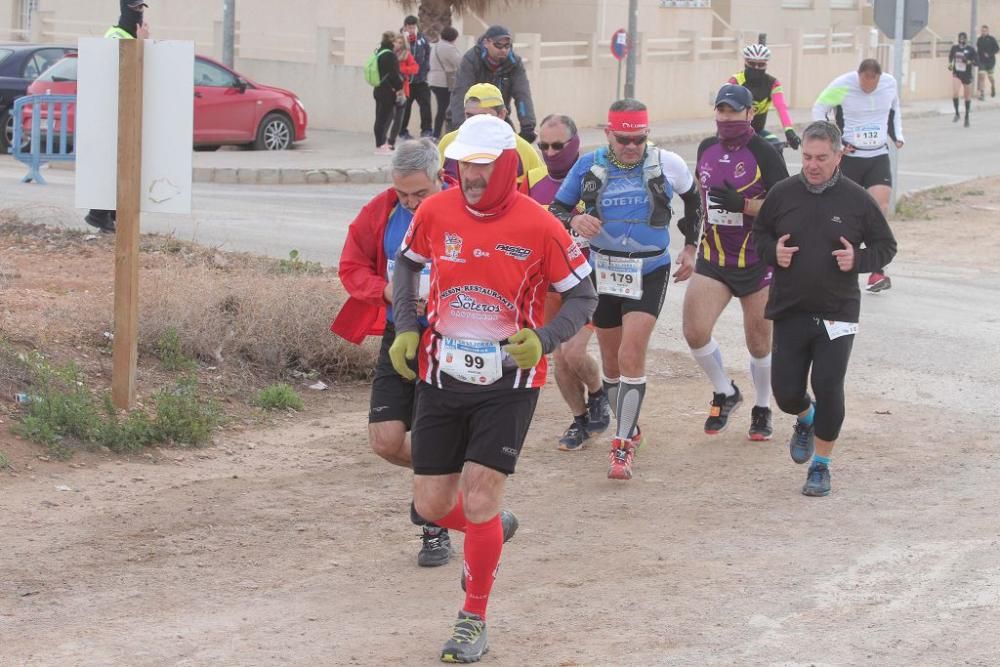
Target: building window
{"points": [[796, 4], [843, 4]]}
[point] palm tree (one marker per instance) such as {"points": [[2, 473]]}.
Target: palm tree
{"points": [[435, 15]]}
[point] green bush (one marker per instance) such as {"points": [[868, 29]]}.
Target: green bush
{"points": [[279, 397], [183, 417], [294, 264], [4, 461], [62, 410], [168, 349]]}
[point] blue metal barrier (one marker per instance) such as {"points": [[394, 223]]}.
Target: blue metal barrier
{"points": [[42, 149]]}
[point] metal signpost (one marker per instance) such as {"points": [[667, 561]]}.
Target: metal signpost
{"points": [[619, 49], [900, 20]]}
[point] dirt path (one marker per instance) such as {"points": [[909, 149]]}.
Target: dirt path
{"points": [[292, 546]]}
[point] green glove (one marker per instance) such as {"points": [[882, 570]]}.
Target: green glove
{"points": [[525, 349], [404, 349]]}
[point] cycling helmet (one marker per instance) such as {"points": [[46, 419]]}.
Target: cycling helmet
{"points": [[757, 52]]}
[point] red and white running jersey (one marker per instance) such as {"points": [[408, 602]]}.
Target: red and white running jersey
{"points": [[489, 277]]}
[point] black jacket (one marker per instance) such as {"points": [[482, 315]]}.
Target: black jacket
{"points": [[988, 48], [813, 284], [388, 70], [511, 78]]}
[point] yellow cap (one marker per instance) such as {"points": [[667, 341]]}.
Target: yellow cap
{"points": [[487, 94]]}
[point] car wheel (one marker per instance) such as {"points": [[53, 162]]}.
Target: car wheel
{"points": [[7, 135], [275, 133]]}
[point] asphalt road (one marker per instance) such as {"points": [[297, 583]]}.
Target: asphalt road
{"points": [[273, 220]]}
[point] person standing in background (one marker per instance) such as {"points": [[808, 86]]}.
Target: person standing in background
{"points": [[420, 91], [445, 59], [407, 68], [386, 92]]}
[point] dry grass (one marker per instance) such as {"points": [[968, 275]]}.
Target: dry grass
{"points": [[259, 319]]}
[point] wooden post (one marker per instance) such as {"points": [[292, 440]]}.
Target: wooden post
{"points": [[125, 350]]}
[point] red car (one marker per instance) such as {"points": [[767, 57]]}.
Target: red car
{"points": [[229, 109]]}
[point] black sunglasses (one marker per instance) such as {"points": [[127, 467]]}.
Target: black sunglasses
{"points": [[756, 64], [502, 45], [631, 141], [555, 145]]}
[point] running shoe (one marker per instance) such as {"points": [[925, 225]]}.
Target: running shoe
{"points": [[722, 407], [621, 456], [436, 548], [468, 640], [817, 480], [637, 439], [510, 523], [598, 414], [384, 149], [104, 221], [803, 442], [574, 437], [878, 282], [405, 135], [967, 121], [956, 118], [760, 424]]}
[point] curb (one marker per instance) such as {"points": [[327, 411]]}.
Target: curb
{"points": [[230, 176]]}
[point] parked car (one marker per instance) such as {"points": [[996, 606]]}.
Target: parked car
{"points": [[20, 64], [229, 109]]}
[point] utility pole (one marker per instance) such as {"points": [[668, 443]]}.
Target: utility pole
{"points": [[897, 71], [633, 26], [974, 30], [228, 32]]}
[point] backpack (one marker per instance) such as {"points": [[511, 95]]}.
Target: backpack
{"points": [[372, 75]]}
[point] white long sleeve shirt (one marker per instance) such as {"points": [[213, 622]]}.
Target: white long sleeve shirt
{"points": [[865, 115]]}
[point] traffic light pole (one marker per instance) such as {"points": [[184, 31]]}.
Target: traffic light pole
{"points": [[228, 32], [897, 71]]}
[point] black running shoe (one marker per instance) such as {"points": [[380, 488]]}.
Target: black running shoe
{"points": [[436, 548], [722, 407], [803, 442], [760, 424], [468, 640], [817, 480], [102, 220], [598, 414], [574, 437], [956, 118]]}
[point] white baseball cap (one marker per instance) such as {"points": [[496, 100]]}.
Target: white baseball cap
{"points": [[481, 140]]}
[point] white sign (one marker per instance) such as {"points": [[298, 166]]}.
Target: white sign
{"points": [[167, 125]]}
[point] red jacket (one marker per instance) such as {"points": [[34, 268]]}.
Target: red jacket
{"points": [[408, 67], [362, 270]]}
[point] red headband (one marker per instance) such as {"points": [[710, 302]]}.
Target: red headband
{"points": [[628, 121]]}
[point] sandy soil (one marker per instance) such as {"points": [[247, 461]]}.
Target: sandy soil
{"points": [[291, 545]]}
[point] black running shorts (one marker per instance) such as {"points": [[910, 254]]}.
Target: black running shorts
{"points": [[392, 397], [611, 309], [486, 427], [965, 77], [741, 282], [867, 171]]}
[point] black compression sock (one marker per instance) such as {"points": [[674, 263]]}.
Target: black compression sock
{"points": [[968, 105], [954, 101]]}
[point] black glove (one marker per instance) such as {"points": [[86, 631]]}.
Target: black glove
{"points": [[727, 199], [793, 139], [528, 134]]}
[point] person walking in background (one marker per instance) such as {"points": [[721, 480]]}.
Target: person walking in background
{"points": [[445, 59], [131, 25], [420, 91], [987, 48], [493, 60], [407, 68], [390, 83]]}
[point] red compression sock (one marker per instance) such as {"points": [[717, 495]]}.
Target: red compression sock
{"points": [[483, 545], [455, 519]]}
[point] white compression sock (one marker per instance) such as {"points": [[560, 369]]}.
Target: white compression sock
{"points": [[710, 360], [760, 370]]}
